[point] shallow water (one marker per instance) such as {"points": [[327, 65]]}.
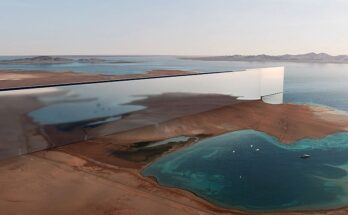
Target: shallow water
{"points": [[252, 171], [114, 99]]}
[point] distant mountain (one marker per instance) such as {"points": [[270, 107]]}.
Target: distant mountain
{"points": [[59, 60], [38, 60], [303, 58]]}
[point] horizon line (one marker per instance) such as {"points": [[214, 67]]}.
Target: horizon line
{"points": [[153, 55]]}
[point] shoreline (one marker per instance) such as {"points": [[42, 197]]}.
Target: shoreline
{"points": [[138, 131], [114, 185], [332, 211], [205, 202]]}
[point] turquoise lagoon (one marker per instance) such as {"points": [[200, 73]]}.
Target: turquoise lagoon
{"points": [[252, 171]]}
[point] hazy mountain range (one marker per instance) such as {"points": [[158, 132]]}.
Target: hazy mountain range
{"points": [[303, 58], [59, 60]]}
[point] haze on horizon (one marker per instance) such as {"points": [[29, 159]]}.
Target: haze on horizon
{"points": [[180, 27]]}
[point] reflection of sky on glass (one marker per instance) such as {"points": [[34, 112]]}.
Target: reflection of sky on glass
{"points": [[83, 102]]}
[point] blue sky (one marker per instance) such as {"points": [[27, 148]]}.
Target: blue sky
{"points": [[183, 27]]}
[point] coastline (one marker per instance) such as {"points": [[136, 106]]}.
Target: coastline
{"points": [[121, 181], [148, 134], [91, 168]]}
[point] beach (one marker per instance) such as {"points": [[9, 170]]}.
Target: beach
{"points": [[106, 168]]}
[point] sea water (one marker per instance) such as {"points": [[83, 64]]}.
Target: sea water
{"points": [[252, 171]]}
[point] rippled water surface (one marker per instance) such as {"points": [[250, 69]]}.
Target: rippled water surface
{"points": [[252, 171]]}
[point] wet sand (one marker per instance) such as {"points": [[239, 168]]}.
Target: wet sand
{"points": [[90, 177]]}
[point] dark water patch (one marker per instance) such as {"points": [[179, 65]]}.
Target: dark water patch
{"points": [[170, 140], [141, 155], [141, 144], [252, 171], [90, 123], [141, 152]]}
